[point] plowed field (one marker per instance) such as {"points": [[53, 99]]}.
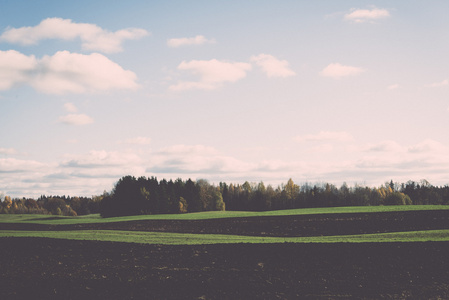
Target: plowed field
{"points": [[37, 268], [296, 225]]}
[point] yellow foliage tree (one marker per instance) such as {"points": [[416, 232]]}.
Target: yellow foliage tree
{"points": [[7, 202], [182, 205]]}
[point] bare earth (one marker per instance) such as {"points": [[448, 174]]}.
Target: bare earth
{"points": [[33, 268]]}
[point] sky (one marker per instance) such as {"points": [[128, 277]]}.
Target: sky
{"points": [[229, 91]]}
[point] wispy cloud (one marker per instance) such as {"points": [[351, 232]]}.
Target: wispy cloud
{"points": [[384, 146], [12, 165], [366, 15], [272, 66], [64, 72], [194, 160], [76, 119], [93, 37], [427, 158], [197, 40], [438, 84], [213, 73], [428, 146], [101, 159], [336, 70]]}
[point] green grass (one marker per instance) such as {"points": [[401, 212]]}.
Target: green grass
{"points": [[164, 238], [48, 219], [193, 239]]}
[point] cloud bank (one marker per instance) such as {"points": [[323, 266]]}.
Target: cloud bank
{"points": [[97, 170]]}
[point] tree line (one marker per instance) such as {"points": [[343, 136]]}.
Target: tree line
{"points": [[52, 205], [134, 196], [258, 197], [142, 195]]}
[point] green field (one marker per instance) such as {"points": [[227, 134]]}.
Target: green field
{"points": [[95, 218], [165, 238], [193, 239]]}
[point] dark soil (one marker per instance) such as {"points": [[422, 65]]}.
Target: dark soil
{"points": [[34, 268], [299, 225], [38, 268]]}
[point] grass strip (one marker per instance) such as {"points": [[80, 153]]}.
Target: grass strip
{"points": [[164, 238], [96, 218]]}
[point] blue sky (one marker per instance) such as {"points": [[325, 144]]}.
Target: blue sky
{"points": [[316, 91]]}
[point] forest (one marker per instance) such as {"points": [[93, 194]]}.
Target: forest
{"points": [[135, 196]]}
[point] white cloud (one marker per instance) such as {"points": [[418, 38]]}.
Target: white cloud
{"points": [[101, 159], [195, 160], [366, 15], [140, 140], [393, 86], [76, 119], [12, 165], [79, 73], [389, 159], [385, 146], [64, 72], [326, 136], [15, 68], [272, 66], [336, 70], [95, 171], [428, 146], [213, 73], [197, 40], [276, 166], [93, 37], [438, 84], [70, 107], [426, 159]]}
